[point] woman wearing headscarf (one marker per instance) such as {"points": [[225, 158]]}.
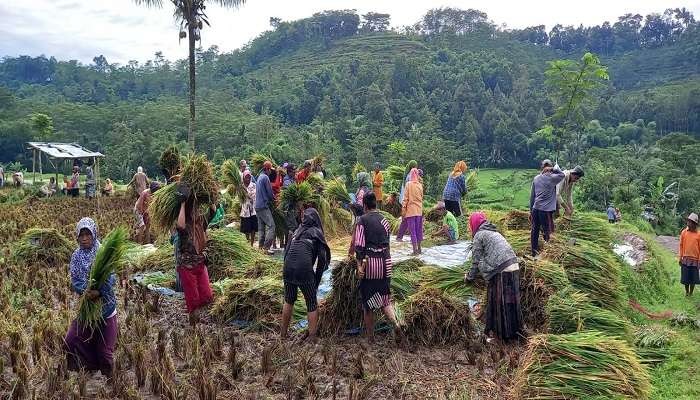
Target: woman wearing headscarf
{"points": [[402, 225], [495, 259], [374, 267], [85, 348], [357, 207], [191, 263], [306, 247], [412, 210], [249, 220], [140, 181], [378, 182], [455, 189]]}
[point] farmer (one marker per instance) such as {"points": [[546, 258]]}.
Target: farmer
{"points": [[402, 225], [140, 181], [495, 259], [565, 190], [75, 182], [611, 214], [87, 349], [249, 220], [543, 203], [108, 189], [2, 176], [18, 179], [50, 188], [289, 176], [264, 199], [306, 247], [357, 207], [455, 189], [374, 267], [305, 172], [412, 210], [191, 262], [90, 187], [450, 227], [377, 182], [143, 220], [689, 253]]}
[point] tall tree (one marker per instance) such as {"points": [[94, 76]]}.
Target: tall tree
{"points": [[190, 14]]}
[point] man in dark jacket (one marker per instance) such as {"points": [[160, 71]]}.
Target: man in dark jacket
{"points": [[264, 199], [543, 203]]}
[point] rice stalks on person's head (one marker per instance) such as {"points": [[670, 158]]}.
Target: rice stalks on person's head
{"points": [[257, 160], [295, 195], [341, 309], [170, 162], [231, 176], [571, 311], [337, 192], [198, 174], [433, 317], [257, 301], [42, 247], [394, 173], [580, 365]]}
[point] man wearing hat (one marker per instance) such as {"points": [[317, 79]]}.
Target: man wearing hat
{"points": [[565, 190], [543, 203], [689, 254], [263, 199]]}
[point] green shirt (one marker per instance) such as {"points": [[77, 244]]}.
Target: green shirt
{"points": [[450, 220]]}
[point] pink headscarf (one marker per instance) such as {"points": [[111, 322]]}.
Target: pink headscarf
{"points": [[246, 173], [476, 219], [414, 175]]}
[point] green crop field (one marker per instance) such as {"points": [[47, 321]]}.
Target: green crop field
{"points": [[509, 187]]}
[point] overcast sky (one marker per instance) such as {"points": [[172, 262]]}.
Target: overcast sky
{"points": [[123, 31]]}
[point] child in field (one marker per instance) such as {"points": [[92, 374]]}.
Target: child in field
{"points": [[87, 349], [689, 254], [450, 228]]}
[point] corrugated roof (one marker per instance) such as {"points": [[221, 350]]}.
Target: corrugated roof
{"points": [[64, 150]]}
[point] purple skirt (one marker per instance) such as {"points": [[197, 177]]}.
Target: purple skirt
{"points": [[92, 350], [414, 225]]}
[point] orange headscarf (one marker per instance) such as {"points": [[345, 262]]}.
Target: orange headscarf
{"points": [[459, 169]]}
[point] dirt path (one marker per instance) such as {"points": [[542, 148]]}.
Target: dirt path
{"points": [[669, 242]]}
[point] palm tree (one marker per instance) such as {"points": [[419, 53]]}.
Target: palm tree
{"points": [[191, 15]]}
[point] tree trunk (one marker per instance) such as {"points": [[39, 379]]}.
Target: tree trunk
{"points": [[190, 132]]}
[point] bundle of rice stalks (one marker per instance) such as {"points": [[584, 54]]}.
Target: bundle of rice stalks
{"points": [[435, 318], [341, 309], [580, 365], [586, 226], [295, 195], [198, 174], [318, 185], [407, 265], [683, 319], [432, 215], [596, 271], [257, 160], [572, 311], [337, 192], [539, 279], [252, 300], [170, 162], [519, 241], [164, 207], [263, 267], [393, 222], [159, 278], [342, 218], [44, 247], [324, 211], [107, 260], [652, 343], [516, 219], [231, 176], [472, 181], [394, 173], [404, 283], [162, 259], [317, 162], [449, 280], [356, 169], [228, 252]]}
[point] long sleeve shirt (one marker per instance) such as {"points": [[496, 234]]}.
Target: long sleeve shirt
{"points": [[455, 188], [248, 206], [565, 191], [543, 195], [263, 195], [689, 248], [80, 277], [413, 199]]}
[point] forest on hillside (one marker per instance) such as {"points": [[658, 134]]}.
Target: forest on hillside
{"points": [[452, 86]]}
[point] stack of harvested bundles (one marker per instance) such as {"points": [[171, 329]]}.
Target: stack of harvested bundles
{"points": [[571, 311], [519, 241], [231, 176], [341, 309], [393, 222], [652, 343], [257, 160], [539, 279], [435, 318], [580, 365], [449, 280], [162, 259], [253, 300], [197, 173], [337, 192], [296, 195], [262, 267], [228, 253], [516, 220], [408, 265], [317, 183], [324, 211], [42, 247], [404, 283], [392, 206], [342, 218], [170, 162], [586, 226]]}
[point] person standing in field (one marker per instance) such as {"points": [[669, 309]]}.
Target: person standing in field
{"points": [[289, 177], [2, 176], [402, 225], [565, 190], [85, 348], [140, 181], [377, 183], [374, 266], [495, 259], [249, 220], [304, 173], [543, 203], [90, 184], [455, 189], [612, 215], [412, 210], [75, 182], [306, 247], [264, 199], [689, 254], [143, 220]]}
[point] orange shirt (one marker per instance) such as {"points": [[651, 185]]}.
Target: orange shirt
{"points": [[377, 183], [690, 245], [413, 199]]}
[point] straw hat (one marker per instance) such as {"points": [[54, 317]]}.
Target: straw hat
{"points": [[693, 217]]}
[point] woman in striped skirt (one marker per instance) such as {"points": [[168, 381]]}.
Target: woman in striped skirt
{"points": [[371, 243]]}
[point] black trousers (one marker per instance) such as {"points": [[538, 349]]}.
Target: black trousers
{"points": [[541, 221]]}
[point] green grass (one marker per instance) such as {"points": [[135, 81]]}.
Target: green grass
{"points": [[507, 188]]}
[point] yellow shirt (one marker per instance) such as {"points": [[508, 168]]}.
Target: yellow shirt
{"points": [[413, 199], [377, 182]]}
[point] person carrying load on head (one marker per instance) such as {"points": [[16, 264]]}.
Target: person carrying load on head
{"points": [[306, 247], [543, 203]]}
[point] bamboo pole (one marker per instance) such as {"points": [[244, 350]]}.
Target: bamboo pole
{"points": [[33, 166]]}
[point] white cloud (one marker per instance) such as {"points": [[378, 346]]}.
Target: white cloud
{"points": [[122, 30]]}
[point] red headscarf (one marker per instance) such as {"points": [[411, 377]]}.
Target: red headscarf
{"points": [[414, 175], [476, 219]]}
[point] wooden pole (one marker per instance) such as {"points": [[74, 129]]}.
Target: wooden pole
{"points": [[33, 166], [41, 170]]}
